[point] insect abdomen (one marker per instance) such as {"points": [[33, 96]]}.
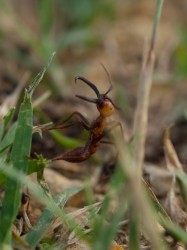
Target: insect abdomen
{"points": [[75, 155]]}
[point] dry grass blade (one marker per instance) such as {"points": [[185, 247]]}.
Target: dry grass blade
{"points": [[132, 164], [172, 160], [137, 197], [172, 202], [141, 116]]}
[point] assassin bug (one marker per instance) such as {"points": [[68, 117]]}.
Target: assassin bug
{"points": [[106, 108]]}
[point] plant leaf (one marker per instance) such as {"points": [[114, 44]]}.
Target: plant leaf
{"points": [[6, 120], [8, 138], [39, 77], [20, 150]]}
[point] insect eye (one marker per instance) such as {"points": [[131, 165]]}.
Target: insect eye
{"points": [[100, 103]]}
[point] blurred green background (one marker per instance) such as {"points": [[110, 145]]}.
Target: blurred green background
{"points": [[82, 32]]}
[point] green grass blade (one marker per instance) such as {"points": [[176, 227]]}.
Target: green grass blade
{"points": [[154, 201], [182, 181], [8, 116], [66, 142], [112, 228], [47, 217], [134, 233], [38, 191], [159, 5], [2, 178], [20, 150], [104, 233], [45, 8], [175, 231], [35, 82], [8, 138], [6, 120]]}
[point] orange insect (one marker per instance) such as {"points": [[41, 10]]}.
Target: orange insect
{"points": [[106, 108]]}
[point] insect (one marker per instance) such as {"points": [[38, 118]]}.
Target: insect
{"points": [[106, 108]]}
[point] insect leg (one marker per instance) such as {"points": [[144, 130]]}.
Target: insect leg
{"points": [[114, 125], [107, 142], [81, 120]]}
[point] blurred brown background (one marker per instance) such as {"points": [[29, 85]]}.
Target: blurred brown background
{"points": [[84, 34]]}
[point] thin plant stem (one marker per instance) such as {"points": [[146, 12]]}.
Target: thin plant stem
{"points": [[141, 115]]}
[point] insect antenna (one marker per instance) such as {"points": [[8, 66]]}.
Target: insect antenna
{"points": [[109, 78], [108, 90], [87, 98], [92, 86], [111, 86]]}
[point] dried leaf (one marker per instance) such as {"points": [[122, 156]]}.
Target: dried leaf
{"points": [[171, 203], [172, 160], [175, 211]]}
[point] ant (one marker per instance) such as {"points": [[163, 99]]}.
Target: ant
{"points": [[106, 108]]}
